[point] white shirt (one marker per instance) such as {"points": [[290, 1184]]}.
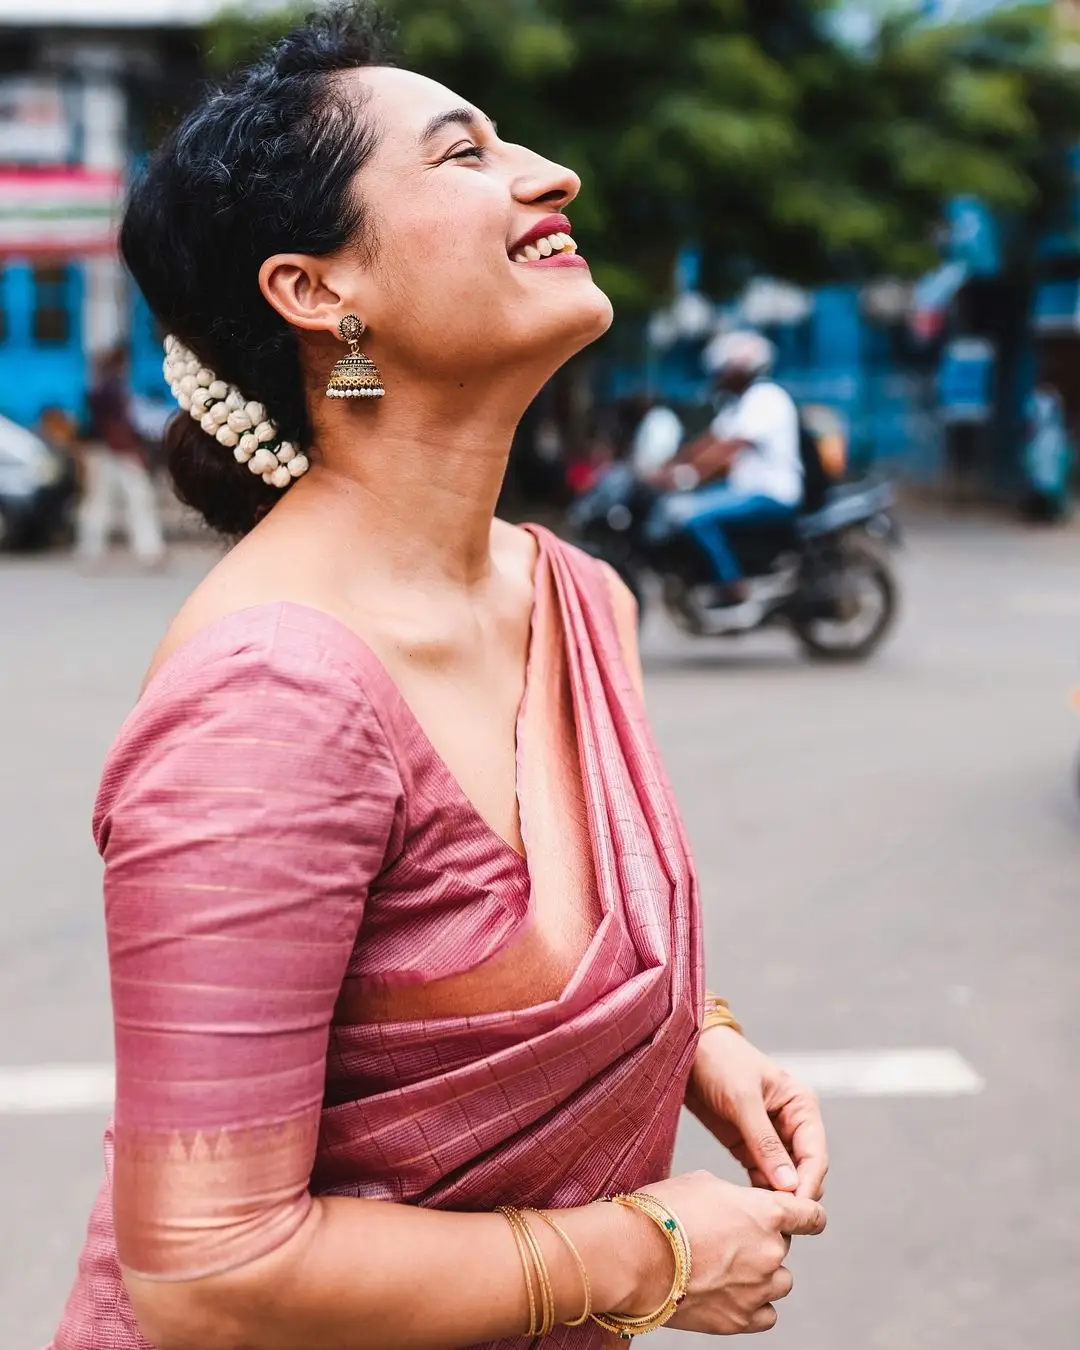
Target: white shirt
{"points": [[658, 437], [767, 417]]}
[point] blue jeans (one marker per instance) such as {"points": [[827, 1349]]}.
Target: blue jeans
{"points": [[704, 513]]}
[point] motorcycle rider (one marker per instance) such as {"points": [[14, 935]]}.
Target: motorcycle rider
{"points": [[745, 469]]}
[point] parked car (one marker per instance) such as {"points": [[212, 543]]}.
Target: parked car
{"points": [[37, 489]]}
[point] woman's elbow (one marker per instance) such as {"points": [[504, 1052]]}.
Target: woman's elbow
{"points": [[182, 1317], [224, 1289]]}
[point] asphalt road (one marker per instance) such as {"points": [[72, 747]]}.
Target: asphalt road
{"points": [[890, 860]]}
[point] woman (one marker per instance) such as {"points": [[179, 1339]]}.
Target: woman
{"points": [[403, 933]]}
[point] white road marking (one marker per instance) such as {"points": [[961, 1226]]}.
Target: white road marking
{"points": [[56, 1089], [72, 1089], [885, 1073]]}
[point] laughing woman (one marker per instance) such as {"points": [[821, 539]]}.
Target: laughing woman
{"points": [[403, 933]]}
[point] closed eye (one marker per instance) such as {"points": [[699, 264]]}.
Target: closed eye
{"points": [[469, 152]]}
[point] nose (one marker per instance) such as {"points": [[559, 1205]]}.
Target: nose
{"points": [[541, 182]]}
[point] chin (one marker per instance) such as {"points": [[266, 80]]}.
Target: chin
{"points": [[604, 312], [581, 320]]}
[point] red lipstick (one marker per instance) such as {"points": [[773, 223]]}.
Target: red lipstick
{"points": [[541, 230]]}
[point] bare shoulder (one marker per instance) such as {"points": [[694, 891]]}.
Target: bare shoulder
{"points": [[212, 600], [245, 578], [514, 552], [513, 546], [622, 597]]}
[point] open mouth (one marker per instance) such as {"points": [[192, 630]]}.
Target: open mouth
{"points": [[549, 241]]}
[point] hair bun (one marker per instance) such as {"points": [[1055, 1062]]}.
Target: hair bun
{"points": [[205, 477]]}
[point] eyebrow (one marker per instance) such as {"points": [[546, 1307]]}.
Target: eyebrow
{"points": [[464, 117]]}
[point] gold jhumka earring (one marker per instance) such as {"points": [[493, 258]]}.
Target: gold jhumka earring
{"points": [[355, 375]]}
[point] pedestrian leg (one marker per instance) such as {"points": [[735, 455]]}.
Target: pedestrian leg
{"points": [[94, 519], [142, 519]]}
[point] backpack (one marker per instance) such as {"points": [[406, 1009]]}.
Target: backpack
{"points": [[816, 478]]}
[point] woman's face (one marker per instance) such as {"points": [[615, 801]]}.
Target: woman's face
{"points": [[471, 267]]}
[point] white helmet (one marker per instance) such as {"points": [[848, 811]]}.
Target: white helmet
{"points": [[746, 351]]}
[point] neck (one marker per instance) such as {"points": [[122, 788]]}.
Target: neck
{"points": [[419, 471]]}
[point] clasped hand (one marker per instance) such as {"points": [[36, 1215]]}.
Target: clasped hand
{"points": [[740, 1237]]}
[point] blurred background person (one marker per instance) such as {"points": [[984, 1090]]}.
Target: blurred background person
{"points": [[118, 490], [590, 458], [752, 447], [657, 437], [1048, 456]]}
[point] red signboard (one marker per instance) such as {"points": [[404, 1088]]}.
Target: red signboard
{"points": [[69, 212]]}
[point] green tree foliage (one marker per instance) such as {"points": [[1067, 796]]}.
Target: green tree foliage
{"points": [[741, 125]]}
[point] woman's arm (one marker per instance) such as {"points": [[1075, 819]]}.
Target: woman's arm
{"points": [[363, 1275]]}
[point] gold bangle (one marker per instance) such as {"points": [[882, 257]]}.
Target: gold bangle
{"points": [[547, 1298], [529, 1244], [568, 1242], [718, 1014], [526, 1264], [547, 1326], [626, 1328]]}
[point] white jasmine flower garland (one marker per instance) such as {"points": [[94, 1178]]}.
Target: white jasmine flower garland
{"points": [[221, 410]]}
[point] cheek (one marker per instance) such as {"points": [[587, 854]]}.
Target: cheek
{"points": [[453, 237], [448, 250]]}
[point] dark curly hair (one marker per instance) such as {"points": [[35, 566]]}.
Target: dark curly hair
{"points": [[264, 165]]}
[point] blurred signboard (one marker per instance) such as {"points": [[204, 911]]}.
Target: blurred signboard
{"points": [[966, 380], [1057, 306], [69, 211], [34, 124]]}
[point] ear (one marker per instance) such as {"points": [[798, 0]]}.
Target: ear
{"points": [[298, 286]]}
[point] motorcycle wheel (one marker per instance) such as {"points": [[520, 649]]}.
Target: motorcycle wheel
{"points": [[855, 637]]}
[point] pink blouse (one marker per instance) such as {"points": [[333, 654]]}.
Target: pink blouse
{"points": [[279, 834]]}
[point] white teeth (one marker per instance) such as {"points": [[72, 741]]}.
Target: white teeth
{"points": [[544, 248]]}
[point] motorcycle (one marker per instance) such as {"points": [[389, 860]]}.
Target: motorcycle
{"points": [[825, 575]]}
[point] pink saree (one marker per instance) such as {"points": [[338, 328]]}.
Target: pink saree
{"points": [[278, 833]]}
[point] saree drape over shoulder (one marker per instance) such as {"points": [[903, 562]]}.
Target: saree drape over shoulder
{"points": [[278, 832]]}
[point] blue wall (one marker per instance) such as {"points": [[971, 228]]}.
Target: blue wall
{"points": [[37, 373], [37, 369]]}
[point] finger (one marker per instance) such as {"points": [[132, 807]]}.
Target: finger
{"points": [[780, 1285], [800, 1217], [765, 1146], [763, 1320], [810, 1149]]}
